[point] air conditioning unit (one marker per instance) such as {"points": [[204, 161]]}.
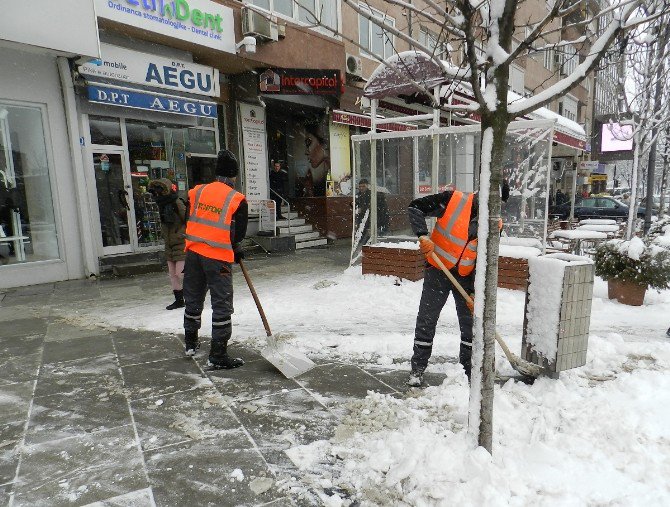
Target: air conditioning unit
{"points": [[354, 66], [259, 25]]}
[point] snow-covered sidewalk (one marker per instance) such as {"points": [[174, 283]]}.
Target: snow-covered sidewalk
{"points": [[599, 435]]}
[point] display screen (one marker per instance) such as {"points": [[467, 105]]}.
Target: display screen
{"points": [[616, 137]]}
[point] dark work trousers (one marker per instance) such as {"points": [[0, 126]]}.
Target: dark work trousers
{"points": [[202, 273], [436, 290]]}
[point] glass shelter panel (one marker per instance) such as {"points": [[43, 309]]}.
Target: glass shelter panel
{"points": [[404, 169]]}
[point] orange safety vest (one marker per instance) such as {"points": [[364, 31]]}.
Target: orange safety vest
{"points": [[450, 235], [210, 220]]}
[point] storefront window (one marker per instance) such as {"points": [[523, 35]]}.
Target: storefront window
{"points": [[105, 130], [27, 223], [201, 141]]}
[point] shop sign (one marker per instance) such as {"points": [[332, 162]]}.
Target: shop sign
{"points": [[300, 82], [150, 101], [268, 216], [254, 146], [201, 22], [151, 70]]}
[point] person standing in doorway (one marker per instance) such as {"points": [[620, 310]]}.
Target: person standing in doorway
{"points": [[278, 177], [217, 224], [172, 212]]}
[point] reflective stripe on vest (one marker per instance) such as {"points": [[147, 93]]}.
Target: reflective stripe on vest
{"points": [[208, 228], [450, 234]]}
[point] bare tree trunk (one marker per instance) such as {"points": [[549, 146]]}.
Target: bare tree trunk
{"points": [[664, 175], [494, 132]]}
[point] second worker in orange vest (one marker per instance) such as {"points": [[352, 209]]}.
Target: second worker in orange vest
{"points": [[217, 223], [454, 241]]}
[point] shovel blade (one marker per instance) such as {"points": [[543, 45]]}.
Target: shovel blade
{"points": [[288, 360]]}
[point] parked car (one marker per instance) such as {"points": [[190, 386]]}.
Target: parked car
{"points": [[594, 207], [657, 202]]}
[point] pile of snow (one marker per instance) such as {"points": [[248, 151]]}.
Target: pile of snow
{"points": [[405, 245]]}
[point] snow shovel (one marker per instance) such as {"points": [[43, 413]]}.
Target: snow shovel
{"points": [[288, 360], [522, 366]]}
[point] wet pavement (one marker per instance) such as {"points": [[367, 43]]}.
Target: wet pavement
{"points": [[119, 417]]}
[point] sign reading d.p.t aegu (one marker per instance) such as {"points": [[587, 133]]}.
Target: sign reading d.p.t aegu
{"points": [[198, 21]]}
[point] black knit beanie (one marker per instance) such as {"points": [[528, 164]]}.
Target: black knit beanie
{"points": [[226, 164]]}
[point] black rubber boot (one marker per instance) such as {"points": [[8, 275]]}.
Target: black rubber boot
{"points": [[219, 358], [465, 358], [192, 343], [178, 300], [668, 332]]}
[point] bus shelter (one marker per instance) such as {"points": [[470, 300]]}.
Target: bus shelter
{"points": [[397, 167]]}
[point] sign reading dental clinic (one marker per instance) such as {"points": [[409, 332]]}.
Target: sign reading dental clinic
{"points": [[198, 21], [151, 70]]}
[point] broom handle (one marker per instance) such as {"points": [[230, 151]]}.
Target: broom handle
{"points": [[452, 279], [255, 296]]}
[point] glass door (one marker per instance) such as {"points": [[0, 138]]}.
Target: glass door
{"points": [[114, 203]]}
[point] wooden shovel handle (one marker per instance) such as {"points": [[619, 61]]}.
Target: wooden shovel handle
{"points": [[255, 296]]}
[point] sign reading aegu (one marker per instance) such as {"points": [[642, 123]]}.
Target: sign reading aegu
{"points": [[160, 72], [142, 100], [199, 21]]}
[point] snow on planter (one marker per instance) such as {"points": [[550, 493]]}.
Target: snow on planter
{"points": [[558, 311]]}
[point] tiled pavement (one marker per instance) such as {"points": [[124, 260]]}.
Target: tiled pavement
{"points": [[120, 417]]}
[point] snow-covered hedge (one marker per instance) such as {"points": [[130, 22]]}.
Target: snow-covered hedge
{"points": [[634, 261]]}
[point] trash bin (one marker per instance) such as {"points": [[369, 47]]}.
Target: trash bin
{"points": [[558, 312]]}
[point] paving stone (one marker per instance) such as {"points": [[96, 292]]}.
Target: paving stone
{"points": [[15, 401], [140, 347], [77, 348], [62, 330], [5, 492], [120, 293], [256, 379], [23, 327], [25, 311], [339, 383], [18, 346], [81, 375], [34, 290], [67, 415], [200, 473], [80, 470], [20, 368], [193, 415], [139, 498], [12, 300], [283, 420], [11, 436], [150, 380]]}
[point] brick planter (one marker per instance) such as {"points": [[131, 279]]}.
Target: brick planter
{"points": [[512, 273], [401, 262]]}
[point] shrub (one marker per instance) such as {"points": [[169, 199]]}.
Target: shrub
{"points": [[634, 261]]}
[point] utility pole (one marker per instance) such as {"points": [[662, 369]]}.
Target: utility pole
{"points": [[658, 93]]}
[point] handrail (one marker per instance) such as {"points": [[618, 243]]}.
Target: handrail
{"points": [[288, 204]]}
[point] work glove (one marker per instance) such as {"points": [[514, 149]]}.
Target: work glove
{"points": [[239, 253], [426, 246], [471, 303]]}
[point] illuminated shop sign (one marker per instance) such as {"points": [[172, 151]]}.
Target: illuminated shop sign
{"points": [[157, 71], [198, 21], [300, 82]]}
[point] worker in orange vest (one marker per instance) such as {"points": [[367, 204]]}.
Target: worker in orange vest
{"points": [[217, 223], [454, 241]]}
